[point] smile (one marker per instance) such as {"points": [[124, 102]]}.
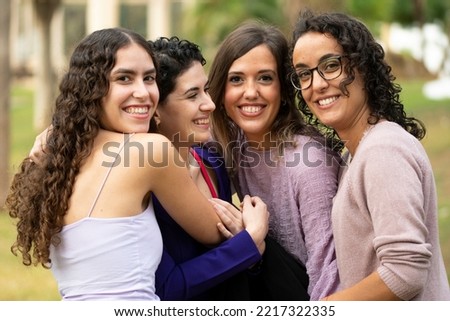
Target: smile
{"points": [[137, 110], [327, 101], [202, 121], [251, 109]]}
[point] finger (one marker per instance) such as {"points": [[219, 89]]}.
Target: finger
{"points": [[223, 230], [229, 221], [223, 215], [229, 207]]}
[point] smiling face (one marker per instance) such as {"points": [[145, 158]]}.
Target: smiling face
{"points": [[184, 115], [346, 114], [252, 93], [133, 94]]}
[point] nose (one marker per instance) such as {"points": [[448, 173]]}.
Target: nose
{"points": [[140, 90], [251, 90], [208, 105], [317, 80]]}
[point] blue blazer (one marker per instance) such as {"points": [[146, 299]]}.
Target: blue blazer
{"points": [[188, 269]]}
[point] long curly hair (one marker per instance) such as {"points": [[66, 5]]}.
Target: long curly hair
{"points": [[288, 121], [366, 56], [39, 194]]}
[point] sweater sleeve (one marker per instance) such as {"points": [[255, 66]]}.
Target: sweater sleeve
{"points": [[193, 277], [317, 186], [391, 187]]}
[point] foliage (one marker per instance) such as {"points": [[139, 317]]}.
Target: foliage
{"points": [[409, 12], [209, 22]]}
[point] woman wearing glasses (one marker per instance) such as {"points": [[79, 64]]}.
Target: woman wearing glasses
{"points": [[385, 211], [270, 150]]}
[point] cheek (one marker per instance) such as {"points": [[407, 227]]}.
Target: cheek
{"points": [[230, 96], [306, 95]]}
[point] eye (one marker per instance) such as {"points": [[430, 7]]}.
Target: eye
{"points": [[150, 78], [123, 78], [235, 79], [330, 65], [304, 74], [266, 78], [192, 96]]}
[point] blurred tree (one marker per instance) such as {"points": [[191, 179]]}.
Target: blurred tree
{"points": [[5, 72], [372, 12], [292, 7], [46, 77], [208, 22], [419, 12]]}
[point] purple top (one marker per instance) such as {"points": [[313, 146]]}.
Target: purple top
{"points": [[298, 190]]}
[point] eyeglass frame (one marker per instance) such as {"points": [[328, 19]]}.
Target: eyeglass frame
{"points": [[294, 73]]}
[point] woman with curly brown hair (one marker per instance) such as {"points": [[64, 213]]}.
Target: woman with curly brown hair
{"points": [[85, 211], [384, 214]]}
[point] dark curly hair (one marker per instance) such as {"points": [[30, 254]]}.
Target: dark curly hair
{"points": [[367, 57], [174, 57], [39, 195]]}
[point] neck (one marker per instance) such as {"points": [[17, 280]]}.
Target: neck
{"points": [[262, 143]]}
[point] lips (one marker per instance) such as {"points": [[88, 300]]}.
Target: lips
{"points": [[141, 110], [201, 121], [327, 101], [251, 109]]}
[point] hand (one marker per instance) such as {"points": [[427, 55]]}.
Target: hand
{"points": [[38, 149], [256, 220], [232, 222]]}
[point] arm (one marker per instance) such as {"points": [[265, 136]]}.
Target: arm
{"points": [[169, 180], [360, 291], [186, 280], [316, 187], [391, 193], [191, 278]]}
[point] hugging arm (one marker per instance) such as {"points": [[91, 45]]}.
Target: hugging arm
{"points": [[191, 278], [186, 280]]}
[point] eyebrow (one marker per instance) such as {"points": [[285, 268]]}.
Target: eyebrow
{"points": [[324, 57], [192, 89], [259, 72], [131, 71], [196, 88]]}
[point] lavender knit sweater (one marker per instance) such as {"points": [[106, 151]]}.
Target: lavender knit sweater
{"points": [[385, 216], [298, 190]]}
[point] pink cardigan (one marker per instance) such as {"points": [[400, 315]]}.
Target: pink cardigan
{"points": [[385, 217]]}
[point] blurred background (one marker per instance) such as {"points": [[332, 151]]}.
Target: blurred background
{"points": [[38, 36]]}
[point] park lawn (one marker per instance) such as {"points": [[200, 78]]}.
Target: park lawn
{"points": [[19, 282]]}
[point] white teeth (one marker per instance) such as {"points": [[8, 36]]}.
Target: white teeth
{"points": [[251, 109], [327, 101], [136, 110], [204, 121]]}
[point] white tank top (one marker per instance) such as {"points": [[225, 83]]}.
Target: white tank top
{"points": [[108, 258]]}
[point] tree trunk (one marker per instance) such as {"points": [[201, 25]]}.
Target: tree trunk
{"points": [[5, 72], [45, 89]]}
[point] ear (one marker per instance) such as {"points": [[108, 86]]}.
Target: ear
{"points": [[156, 117]]}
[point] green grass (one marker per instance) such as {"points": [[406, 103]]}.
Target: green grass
{"points": [[36, 283]]}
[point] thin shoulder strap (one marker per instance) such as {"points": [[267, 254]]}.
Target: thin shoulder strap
{"points": [[205, 173], [127, 138]]}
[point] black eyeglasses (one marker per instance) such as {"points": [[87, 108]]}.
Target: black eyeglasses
{"points": [[328, 69]]}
